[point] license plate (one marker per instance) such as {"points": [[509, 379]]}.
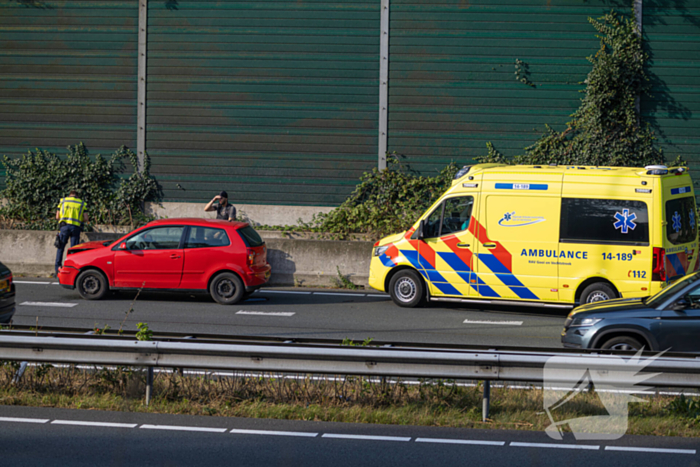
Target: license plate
{"points": [[4, 286]]}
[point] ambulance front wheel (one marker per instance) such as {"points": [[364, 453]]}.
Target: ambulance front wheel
{"points": [[407, 288], [597, 292]]}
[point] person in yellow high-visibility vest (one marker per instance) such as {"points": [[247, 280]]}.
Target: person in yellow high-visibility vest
{"points": [[71, 215]]}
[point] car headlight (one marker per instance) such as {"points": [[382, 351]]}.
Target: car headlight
{"points": [[378, 251], [585, 321]]}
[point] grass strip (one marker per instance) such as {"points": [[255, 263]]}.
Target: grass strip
{"points": [[351, 399]]}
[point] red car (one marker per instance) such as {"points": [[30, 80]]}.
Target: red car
{"points": [[227, 259]]}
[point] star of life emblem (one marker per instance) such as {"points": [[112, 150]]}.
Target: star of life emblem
{"points": [[625, 221]]}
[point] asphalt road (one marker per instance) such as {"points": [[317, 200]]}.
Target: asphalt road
{"points": [[292, 313], [61, 437]]}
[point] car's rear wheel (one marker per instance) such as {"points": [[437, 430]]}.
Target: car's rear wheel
{"points": [[92, 285], [407, 289], [622, 343], [227, 288], [597, 292]]}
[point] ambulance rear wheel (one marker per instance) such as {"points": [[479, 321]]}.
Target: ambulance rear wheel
{"points": [[597, 292], [407, 289]]}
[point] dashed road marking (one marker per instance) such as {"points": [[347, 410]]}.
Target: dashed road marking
{"points": [[460, 441], [506, 323], [284, 291], [274, 433], [52, 304], [342, 294], [365, 437], [105, 424], [660, 450], [24, 420], [32, 282], [348, 436], [184, 428], [266, 313], [556, 446]]}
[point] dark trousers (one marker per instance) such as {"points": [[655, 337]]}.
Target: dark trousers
{"points": [[67, 231]]}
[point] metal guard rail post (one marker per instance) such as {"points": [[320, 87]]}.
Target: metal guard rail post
{"points": [[524, 365]]}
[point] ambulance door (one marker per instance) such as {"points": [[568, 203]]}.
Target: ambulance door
{"points": [[445, 253], [518, 246]]}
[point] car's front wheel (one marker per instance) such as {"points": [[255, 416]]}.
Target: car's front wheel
{"points": [[622, 343], [227, 288], [92, 285], [407, 288]]}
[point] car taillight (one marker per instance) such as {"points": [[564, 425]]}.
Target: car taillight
{"points": [[251, 257], [658, 273]]}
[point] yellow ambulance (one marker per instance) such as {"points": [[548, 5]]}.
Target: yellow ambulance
{"points": [[544, 235]]}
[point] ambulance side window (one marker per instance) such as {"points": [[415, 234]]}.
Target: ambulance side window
{"points": [[452, 216], [604, 221], [431, 229], [458, 213]]}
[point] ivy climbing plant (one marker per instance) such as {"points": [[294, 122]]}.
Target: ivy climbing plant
{"points": [[37, 181], [607, 129]]}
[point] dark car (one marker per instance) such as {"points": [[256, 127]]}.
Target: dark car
{"points": [[7, 295], [226, 259], [668, 320]]}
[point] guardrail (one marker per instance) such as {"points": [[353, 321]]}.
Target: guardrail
{"points": [[484, 365]]}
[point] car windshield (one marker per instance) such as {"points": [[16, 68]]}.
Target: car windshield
{"points": [[669, 291]]}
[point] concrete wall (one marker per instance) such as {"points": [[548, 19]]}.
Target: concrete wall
{"points": [[257, 214], [293, 261]]}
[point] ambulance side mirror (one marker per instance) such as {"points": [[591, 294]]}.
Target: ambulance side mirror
{"points": [[418, 234]]}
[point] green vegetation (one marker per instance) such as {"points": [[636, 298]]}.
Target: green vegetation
{"points": [[302, 397], [36, 182], [607, 129], [385, 201]]}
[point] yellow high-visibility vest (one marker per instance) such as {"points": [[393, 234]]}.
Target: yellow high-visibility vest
{"points": [[71, 210]]}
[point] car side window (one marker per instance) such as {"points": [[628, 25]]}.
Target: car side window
{"points": [[431, 226], [452, 216], [458, 213], [158, 238], [203, 237], [693, 298]]}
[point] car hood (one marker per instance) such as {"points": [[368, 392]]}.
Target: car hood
{"points": [[611, 306], [391, 238], [90, 245]]}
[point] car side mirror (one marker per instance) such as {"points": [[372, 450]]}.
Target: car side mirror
{"points": [[418, 234], [123, 246], [680, 305]]}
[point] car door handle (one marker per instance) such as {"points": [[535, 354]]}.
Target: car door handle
{"points": [[462, 245], [489, 245], [174, 256]]}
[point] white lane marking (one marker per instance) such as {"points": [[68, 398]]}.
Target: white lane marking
{"points": [[83, 423], [556, 446], [54, 304], [183, 428], [378, 295], [32, 282], [274, 433], [284, 291], [668, 451], [55, 283], [266, 313], [23, 420], [377, 438], [460, 441], [507, 323], [341, 293]]}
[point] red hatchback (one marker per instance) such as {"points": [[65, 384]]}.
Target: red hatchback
{"points": [[227, 259]]}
